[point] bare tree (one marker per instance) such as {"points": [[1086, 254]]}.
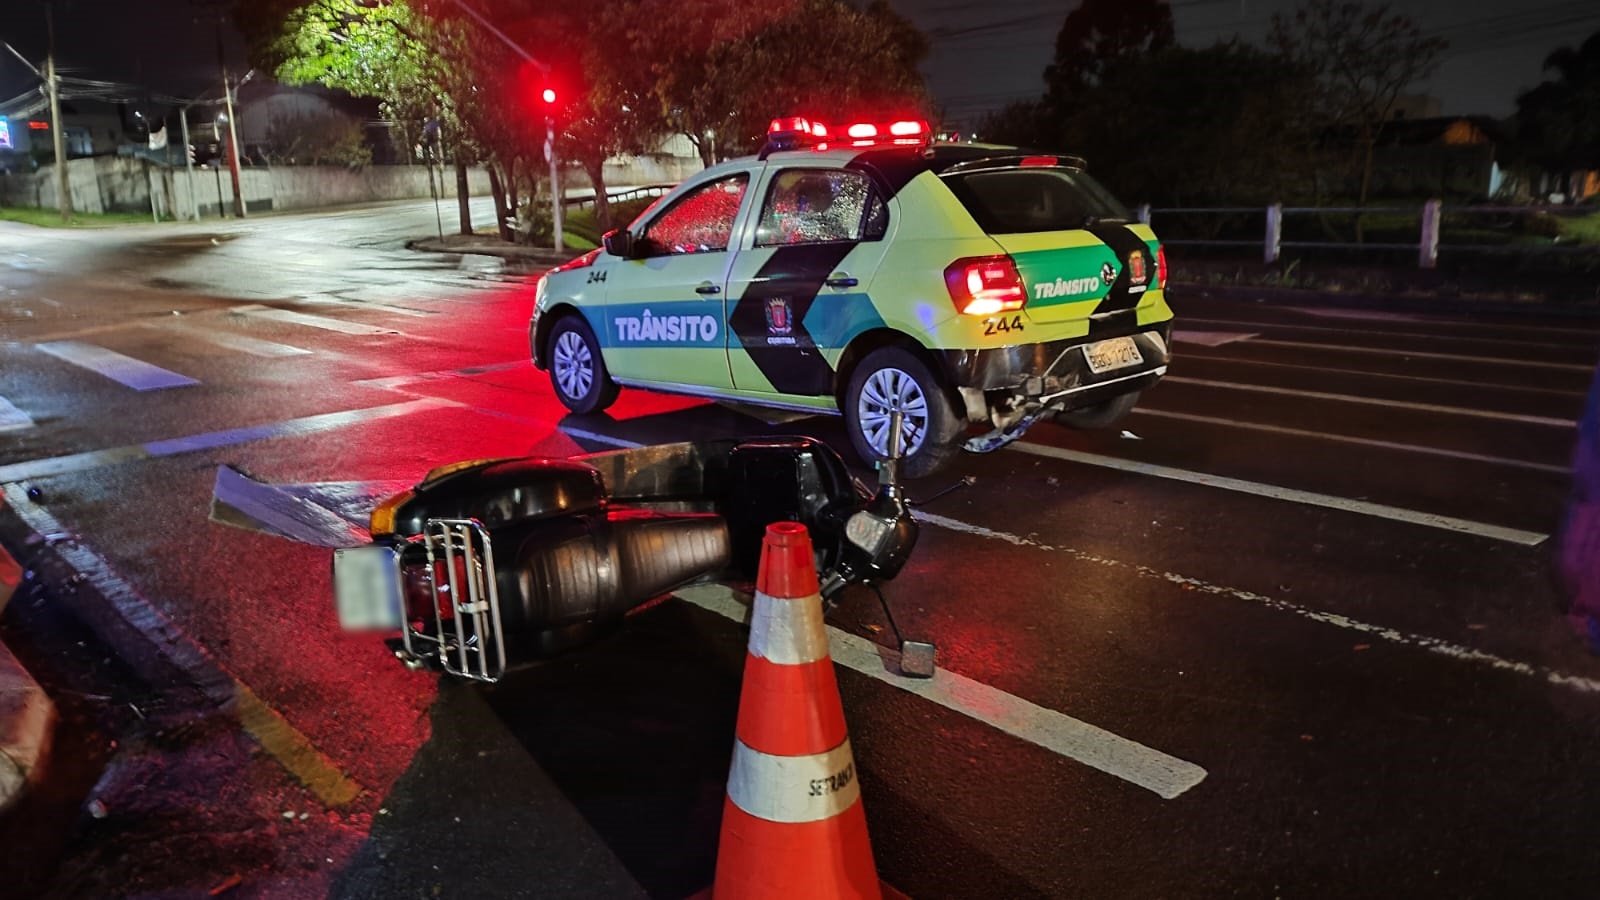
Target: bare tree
{"points": [[1362, 57]]}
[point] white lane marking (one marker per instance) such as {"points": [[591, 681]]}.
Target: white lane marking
{"points": [[367, 304], [1391, 635], [1209, 338], [1363, 442], [310, 321], [94, 459], [1365, 315], [1365, 332], [11, 418], [125, 370], [1272, 491], [395, 382], [1435, 320], [1378, 401], [580, 434], [1418, 354], [239, 342], [1457, 382], [1133, 762]]}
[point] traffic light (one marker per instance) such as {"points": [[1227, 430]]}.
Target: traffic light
{"points": [[190, 148]]}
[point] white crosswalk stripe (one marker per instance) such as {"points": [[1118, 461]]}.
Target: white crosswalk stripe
{"points": [[125, 370], [310, 321], [11, 418], [242, 343]]}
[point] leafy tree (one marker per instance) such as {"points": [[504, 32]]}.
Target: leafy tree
{"points": [[1362, 58], [1021, 123], [1558, 122], [1100, 33], [725, 68], [418, 66], [1185, 127], [318, 139], [829, 59]]}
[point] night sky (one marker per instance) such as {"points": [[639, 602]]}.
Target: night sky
{"points": [[984, 54]]}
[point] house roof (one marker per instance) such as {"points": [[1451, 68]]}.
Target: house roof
{"points": [[1442, 130]]}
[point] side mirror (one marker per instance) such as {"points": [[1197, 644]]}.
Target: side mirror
{"points": [[619, 242]]}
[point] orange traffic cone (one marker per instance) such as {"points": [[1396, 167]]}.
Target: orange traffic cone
{"points": [[792, 825]]}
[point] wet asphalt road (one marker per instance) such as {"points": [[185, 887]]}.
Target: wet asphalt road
{"points": [[1310, 579]]}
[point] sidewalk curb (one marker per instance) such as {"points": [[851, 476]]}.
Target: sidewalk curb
{"points": [[1417, 303], [27, 715], [544, 256]]}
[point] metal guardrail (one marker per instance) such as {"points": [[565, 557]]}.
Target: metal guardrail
{"points": [[622, 196], [1431, 214]]}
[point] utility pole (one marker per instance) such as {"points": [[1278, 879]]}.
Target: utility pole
{"points": [[239, 208], [57, 127]]}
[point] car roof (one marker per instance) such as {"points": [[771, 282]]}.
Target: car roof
{"points": [[938, 157]]}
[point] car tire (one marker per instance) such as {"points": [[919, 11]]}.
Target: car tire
{"points": [[1101, 415], [891, 374], [577, 370]]}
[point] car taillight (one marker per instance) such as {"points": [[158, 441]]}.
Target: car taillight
{"points": [[985, 285], [1161, 267], [419, 581]]}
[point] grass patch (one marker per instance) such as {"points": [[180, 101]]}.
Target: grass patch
{"points": [[50, 218], [1582, 228]]}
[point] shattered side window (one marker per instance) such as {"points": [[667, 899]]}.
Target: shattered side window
{"points": [[817, 206], [700, 221]]}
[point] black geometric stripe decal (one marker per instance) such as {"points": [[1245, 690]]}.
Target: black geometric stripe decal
{"points": [[1119, 299], [769, 318]]}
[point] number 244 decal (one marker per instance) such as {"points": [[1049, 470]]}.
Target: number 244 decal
{"points": [[597, 275], [995, 326]]}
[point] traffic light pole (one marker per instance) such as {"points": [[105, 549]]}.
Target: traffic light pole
{"points": [[188, 163], [556, 204], [549, 122]]}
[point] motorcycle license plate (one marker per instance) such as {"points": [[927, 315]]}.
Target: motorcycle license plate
{"points": [[1117, 353], [366, 588]]}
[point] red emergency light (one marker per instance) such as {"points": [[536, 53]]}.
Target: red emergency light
{"points": [[790, 132], [36, 125]]}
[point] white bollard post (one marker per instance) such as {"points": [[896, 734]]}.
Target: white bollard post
{"points": [[1274, 242], [1428, 250]]}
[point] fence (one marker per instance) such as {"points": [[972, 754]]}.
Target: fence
{"points": [[132, 184], [621, 195], [1430, 218]]}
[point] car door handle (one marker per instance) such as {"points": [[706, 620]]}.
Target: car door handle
{"points": [[708, 288], [841, 280]]}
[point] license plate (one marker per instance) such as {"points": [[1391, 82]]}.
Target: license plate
{"points": [[1117, 353], [366, 588]]}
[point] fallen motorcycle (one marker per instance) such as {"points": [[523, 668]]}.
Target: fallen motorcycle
{"points": [[488, 566]]}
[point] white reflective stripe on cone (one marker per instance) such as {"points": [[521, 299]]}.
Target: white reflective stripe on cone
{"points": [[788, 632], [793, 789]]}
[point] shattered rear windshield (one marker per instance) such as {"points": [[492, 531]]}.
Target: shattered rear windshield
{"points": [[1022, 201]]}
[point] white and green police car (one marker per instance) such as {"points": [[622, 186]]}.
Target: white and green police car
{"points": [[867, 272]]}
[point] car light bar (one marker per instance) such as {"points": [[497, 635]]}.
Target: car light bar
{"points": [[793, 132]]}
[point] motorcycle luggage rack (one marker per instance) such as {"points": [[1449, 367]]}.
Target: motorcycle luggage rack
{"points": [[470, 642]]}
